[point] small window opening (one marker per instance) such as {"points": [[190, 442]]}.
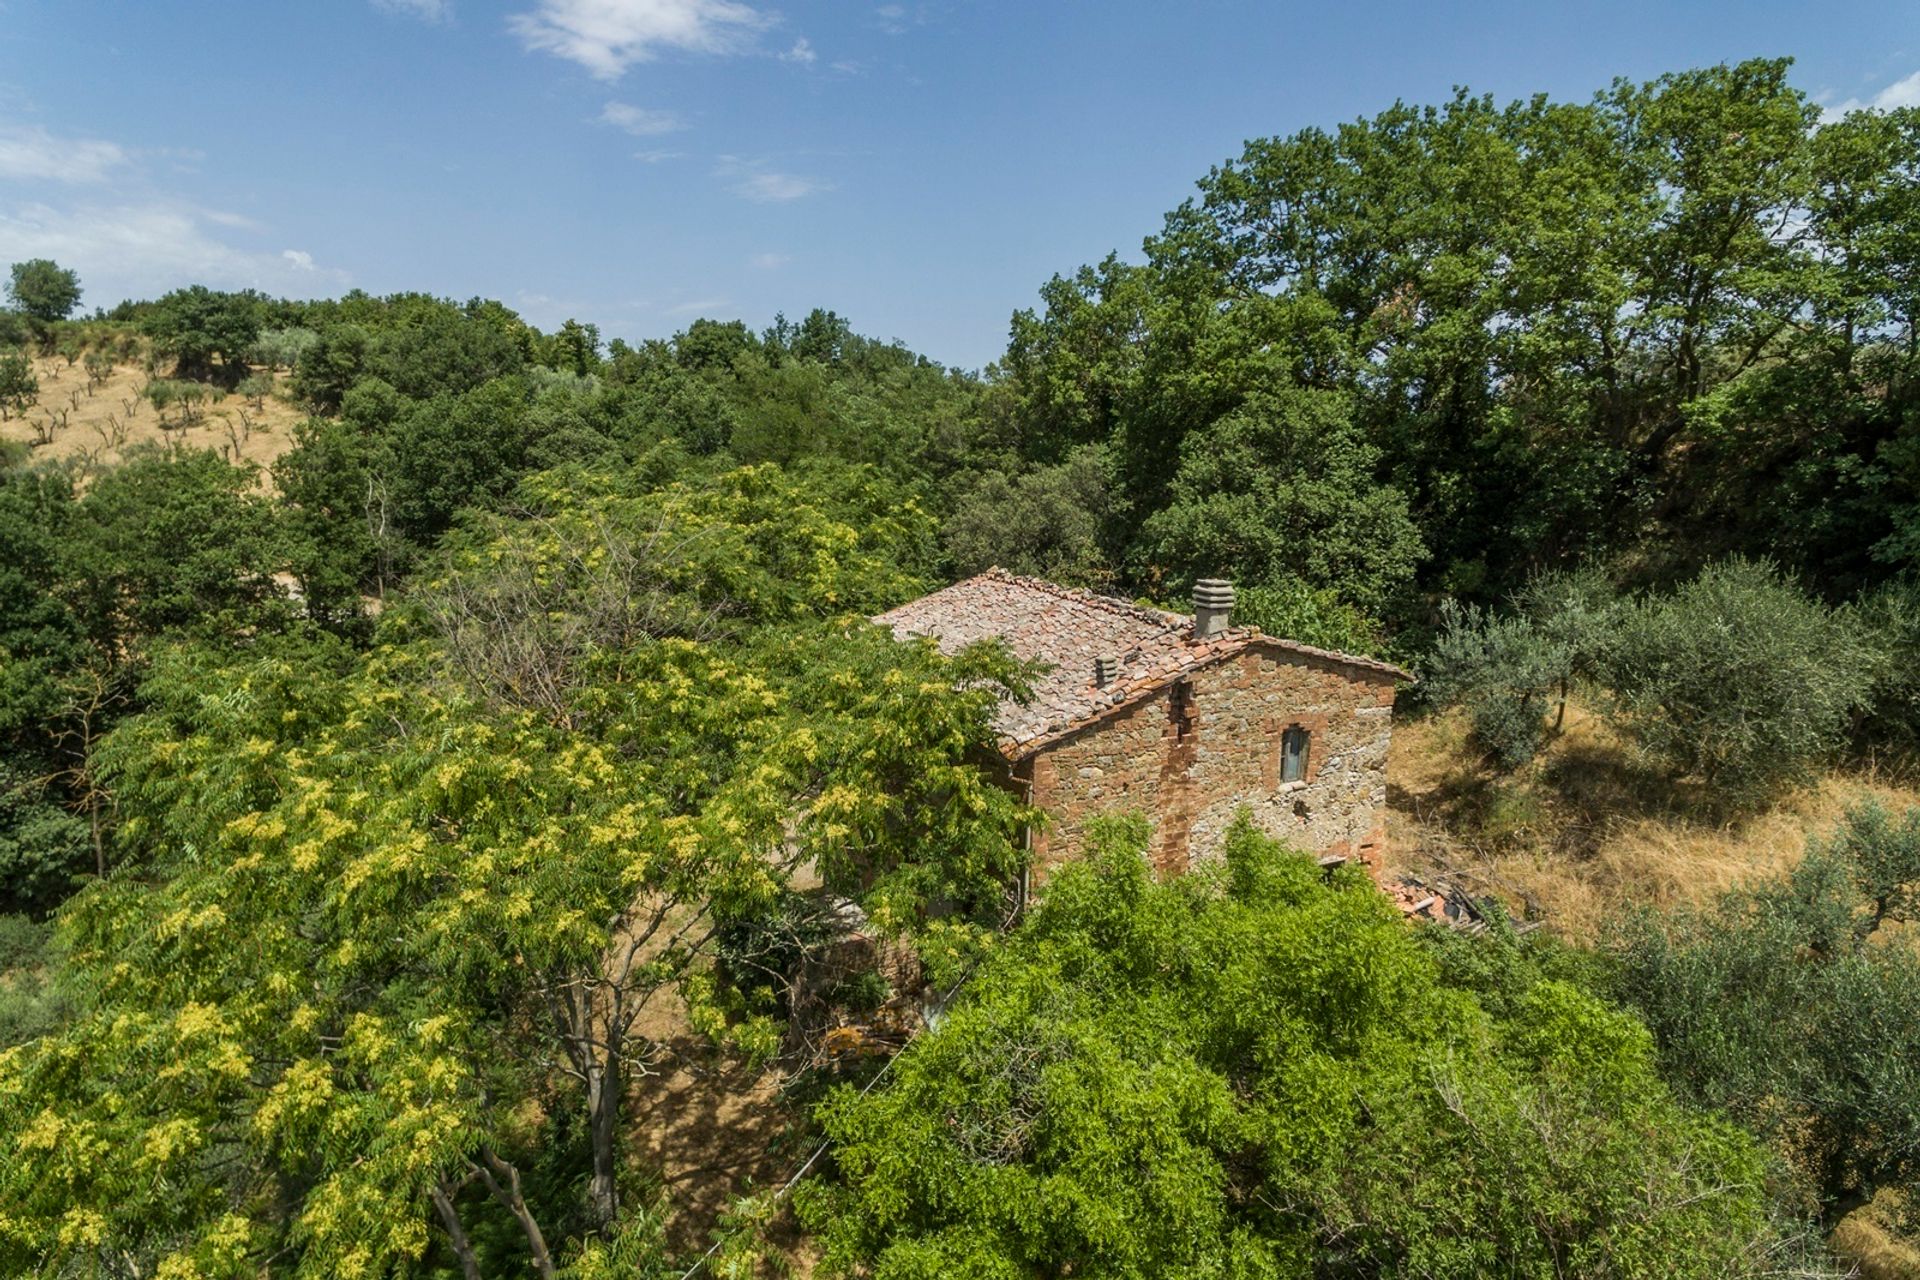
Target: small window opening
{"points": [[1293, 755]]}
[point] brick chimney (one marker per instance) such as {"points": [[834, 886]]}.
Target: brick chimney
{"points": [[1212, 607]]}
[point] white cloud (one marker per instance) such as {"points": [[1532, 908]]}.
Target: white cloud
{"points": [[802, 52], [641, 122], [702, 306], [1901, 93], [774, 188], [144, 249], [657, 156], [893, 18], [752, 180], [238, 221], [33, 154], [769, 261], [608, 36], [424, 10]]}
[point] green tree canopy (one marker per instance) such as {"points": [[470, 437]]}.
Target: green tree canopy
{"points": [[206, 333], [1253, 1071], [43, 290], [1675, 320]]}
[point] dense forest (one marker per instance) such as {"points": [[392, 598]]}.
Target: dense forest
{"points": [[384, 811]]}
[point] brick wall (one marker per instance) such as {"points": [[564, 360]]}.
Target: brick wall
{"points": [[1191, 756]]}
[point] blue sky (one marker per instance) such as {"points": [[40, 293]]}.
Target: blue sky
{"points": [[919, 167]]}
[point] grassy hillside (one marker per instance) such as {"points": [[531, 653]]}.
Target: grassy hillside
{"points": [[95, 422], [1587, 829]]}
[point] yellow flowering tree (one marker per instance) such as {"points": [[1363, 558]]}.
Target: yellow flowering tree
{"points": [[385, 926]]}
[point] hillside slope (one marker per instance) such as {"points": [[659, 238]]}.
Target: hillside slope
{"points": [[96, 427]]}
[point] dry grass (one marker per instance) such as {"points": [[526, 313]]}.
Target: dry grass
{"points": [[1586, 830], [1866, 1240], [94, 430]]}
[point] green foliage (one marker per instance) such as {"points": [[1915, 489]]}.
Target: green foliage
{"points": [[574, 349], [597, 563], [207, 334], [1293, 610], [43, 848], [1514, 672], [1889, 617], [1737, 678], [19, 388], [1048, 521], [282, 348], [1255, 1072], [438, 349], [172, 542], [183, 396], [1505, 673], [329, 365], [30, 1004], [40, 638], [1553, 330], [375, 910], [1283, 488], [1790, 1004], [43, 290]]}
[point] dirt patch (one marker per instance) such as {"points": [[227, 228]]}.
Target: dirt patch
{"points": [[710, 1129], [93, 428], [1586, 830]]}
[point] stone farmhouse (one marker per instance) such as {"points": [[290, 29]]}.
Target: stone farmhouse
{"points": [[1187, 719]]}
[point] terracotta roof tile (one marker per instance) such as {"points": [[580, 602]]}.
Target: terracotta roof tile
{"points": [[1068, 629]]}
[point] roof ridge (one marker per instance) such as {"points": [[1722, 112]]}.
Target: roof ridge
{"points": [[1113, 604]]}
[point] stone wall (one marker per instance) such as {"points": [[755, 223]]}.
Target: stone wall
{"points": [[1191, 755]]}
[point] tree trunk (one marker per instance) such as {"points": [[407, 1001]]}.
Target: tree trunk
{"points": [[509, 1195], [456, 1233], [604, 1086]]}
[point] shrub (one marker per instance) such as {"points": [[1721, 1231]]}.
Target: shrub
{"points": [[30, 1006], [1514, 671], [19, 388], [1890, 618], [1738, 679], [43, 848], [1503, 671], [1783, 1004], [281, 348]]}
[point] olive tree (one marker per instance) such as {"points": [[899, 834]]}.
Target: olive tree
{"points": [[1738, 679], [1514, 671], [19, 388], [1793, 1005]]}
